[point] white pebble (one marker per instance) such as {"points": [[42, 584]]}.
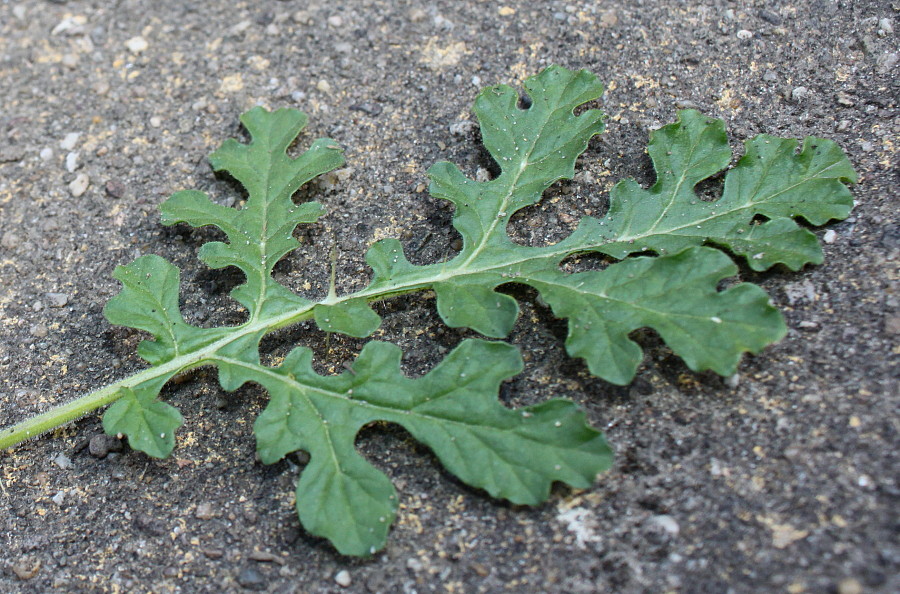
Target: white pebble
{"points": [[155, 122], [342, 578], [63, 461], [57, 299], [799, 93], [744, 34], [667, 523], [323, 86], [69, 142], [72, 162], [59, 498], [137, 44], [79, 185], [886, 26], [830, 236], [46, 154]]}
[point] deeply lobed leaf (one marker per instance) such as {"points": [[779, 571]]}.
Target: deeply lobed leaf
{"points": [[539, 145], [261, 232], [515, 455], [771, 181], [511, 454]]}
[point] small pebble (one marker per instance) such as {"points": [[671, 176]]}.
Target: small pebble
{"points": [[26, 568], [770, 17], [102, 444], [733, 380], [69, 142], [240, 27], [46, 154], [72, 162], [39, 330], [887, 61], [63, 461], [204, 511], [57, 299], [262, 556], [667, 523], [155, 122], [609, 18], [137, 45], [335, 21], [441, 23], [323, 86], [744, 34], [417, 15], [115, 188], [11, 154], [462, 128], [845, 99], [373, 109], [251, 579], [79, 185], [892, 325], [685, 104], [829, 236], [10, 240], [799, 93], [885, 26], [302, 17], [59, 498], [342, 578], [850, 586]]}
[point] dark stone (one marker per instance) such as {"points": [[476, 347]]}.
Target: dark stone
{"points": [[115, 188], [770, 17], [372, 109], [251, 578]]}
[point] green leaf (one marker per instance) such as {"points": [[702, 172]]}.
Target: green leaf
{"points": [[260, 233], [149, 423], [512, 454], [675, 294], [353, 317], [771, 180], [677, 297], [149, 301]]}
